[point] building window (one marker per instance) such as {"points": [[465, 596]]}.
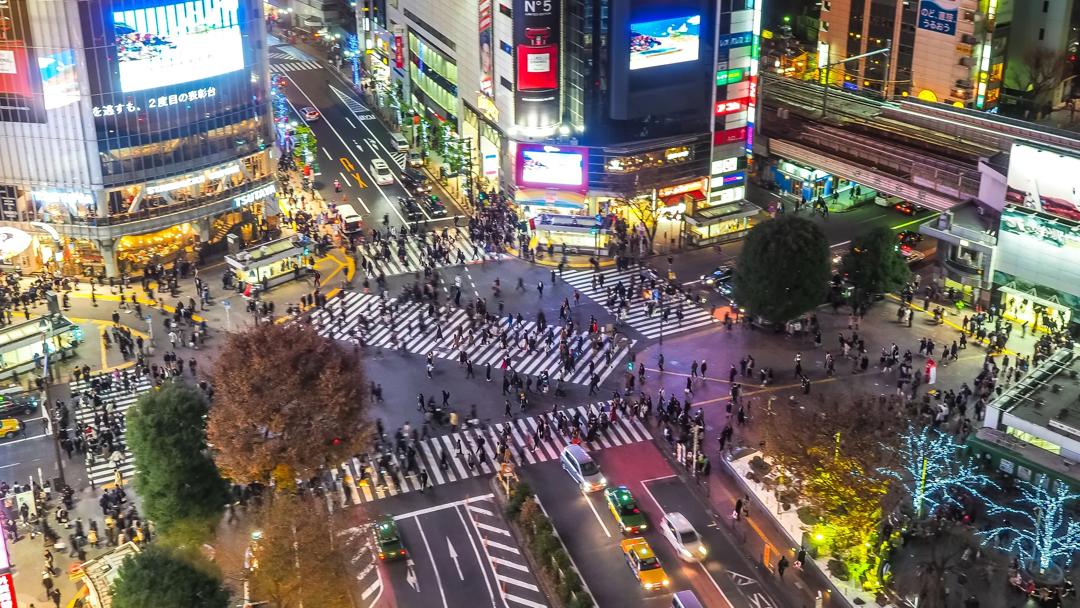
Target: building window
{"points": [[1046, 7], [506, 48], [509, 86], [1042, 33], [506, 10]]}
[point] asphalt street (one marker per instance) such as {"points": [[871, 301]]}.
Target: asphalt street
{"points": [[588, 528]]}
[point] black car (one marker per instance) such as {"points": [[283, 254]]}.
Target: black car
{"points": [[410, 209], [909, 237], [415, 182], [433, 206], [14, 402], [721, 274]]}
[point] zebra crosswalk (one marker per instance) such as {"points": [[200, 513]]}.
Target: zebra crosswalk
{"points": [[360, 315], [400, 158], [510, 568], [413, 256], [358, 481], [650, 323], [100, 470], [294, 66]]}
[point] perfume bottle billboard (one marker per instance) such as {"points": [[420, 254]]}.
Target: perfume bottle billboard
{"points": [[536, 49]]}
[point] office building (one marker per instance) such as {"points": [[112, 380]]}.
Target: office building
{"points": [[131, 131], [583, 108]]}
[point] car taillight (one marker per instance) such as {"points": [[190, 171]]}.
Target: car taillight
{"points": [[403, 552], [382, 555]]}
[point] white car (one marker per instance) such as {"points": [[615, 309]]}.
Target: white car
{"points": [[683, 537], [309, 113], [381, 172]]}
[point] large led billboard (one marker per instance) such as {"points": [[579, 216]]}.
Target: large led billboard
{"points": [[1044, 180], [552, 167], [1039, 249], [20, 83], [165, 45], [664, 42]]}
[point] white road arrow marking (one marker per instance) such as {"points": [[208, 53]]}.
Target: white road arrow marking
{"points": [[410, 576], [454, 556]]}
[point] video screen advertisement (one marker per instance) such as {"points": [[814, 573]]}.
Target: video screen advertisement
{"points": [[536, 51], [1044, 180], [1040, 249], [661, 56], [20, 83], [168, 63], [558, 167]]}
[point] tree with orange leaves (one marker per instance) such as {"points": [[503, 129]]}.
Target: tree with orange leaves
{"points": [[287, 401]]}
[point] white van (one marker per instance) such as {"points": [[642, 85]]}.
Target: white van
{"points": [[350, 219], [401, 144]]}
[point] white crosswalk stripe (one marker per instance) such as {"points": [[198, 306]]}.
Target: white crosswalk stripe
{"points": [[354, 106], [275, 54], [511, 569], [412, 330], [637, 316], [356, 482], [461, 251], [294, 66], [399, 158], [118, 400]]}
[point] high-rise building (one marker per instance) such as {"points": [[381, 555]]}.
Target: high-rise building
{"points": [[961, 52], [584, 110], [131, 131]]}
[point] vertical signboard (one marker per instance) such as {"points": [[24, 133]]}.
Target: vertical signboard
{"points": [[7, 591], [536, 49], [399, 46], [20, 80], [939, 15], [487, 57]]}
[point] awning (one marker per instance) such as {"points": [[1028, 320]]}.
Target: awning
{"points": [[722, 213], [675, 199]]}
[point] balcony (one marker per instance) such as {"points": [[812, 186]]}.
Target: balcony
{"points": [[151, 220]]}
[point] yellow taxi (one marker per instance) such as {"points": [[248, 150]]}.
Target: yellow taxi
{"points": [[10, 427], [643, 563]]}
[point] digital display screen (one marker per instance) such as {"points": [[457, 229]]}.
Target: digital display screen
{"points": [[1040, 249], [552, 168], [664, 42], [1045, 181], [59, 79], [175, 43]]}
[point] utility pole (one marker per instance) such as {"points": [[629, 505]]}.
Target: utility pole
{"points": [[828, 66]]}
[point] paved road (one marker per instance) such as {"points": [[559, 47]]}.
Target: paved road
{"points": [[460, 551], [353, 479], [586, 525]]}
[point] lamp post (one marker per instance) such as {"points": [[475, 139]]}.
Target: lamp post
{"points": [[828, 66], [46, 325]]}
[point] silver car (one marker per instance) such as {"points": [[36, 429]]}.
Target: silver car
{"points": [[683, 537], [582, 469]]}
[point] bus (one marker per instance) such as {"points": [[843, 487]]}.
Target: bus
{"points": [[1011, 457], [350, 220]]}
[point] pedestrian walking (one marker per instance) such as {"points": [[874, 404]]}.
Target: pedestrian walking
{"points": [[423, 479], [782, 565]]}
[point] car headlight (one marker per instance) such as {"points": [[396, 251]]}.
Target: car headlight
{"points": [[685, 552], [666, 582], [643, 527], [648, 585], [703, 551], [603, 481]]}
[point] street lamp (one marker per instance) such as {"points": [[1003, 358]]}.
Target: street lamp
{"points": [[46, 325]]}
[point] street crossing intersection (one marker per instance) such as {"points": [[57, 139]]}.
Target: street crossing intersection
{"points": [[101, 471], [461, 249], [353, 479], [413, 331], [637, 317]]}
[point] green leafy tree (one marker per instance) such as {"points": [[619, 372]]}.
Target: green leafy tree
{"points": [[873, 265], [174, 474], [783, 270], [159, 577]]}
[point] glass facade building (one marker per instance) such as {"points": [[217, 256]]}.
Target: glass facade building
{"points": [[132, 131]]}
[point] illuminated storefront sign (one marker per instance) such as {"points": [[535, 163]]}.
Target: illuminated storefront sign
{"points": [[13, 242], [698, 184], [730, 106], [182, 183], [725, 165], [224, 172], [7, 591], [677, 154], [162, 101], [54, 197], [254, 195], [732, 76], [734, 178]]}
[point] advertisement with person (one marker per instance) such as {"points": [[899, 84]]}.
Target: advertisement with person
{"points": [[20, 82], [165, 64], [487, 57], [562, 167], [536, 35], [1044, 180]]}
